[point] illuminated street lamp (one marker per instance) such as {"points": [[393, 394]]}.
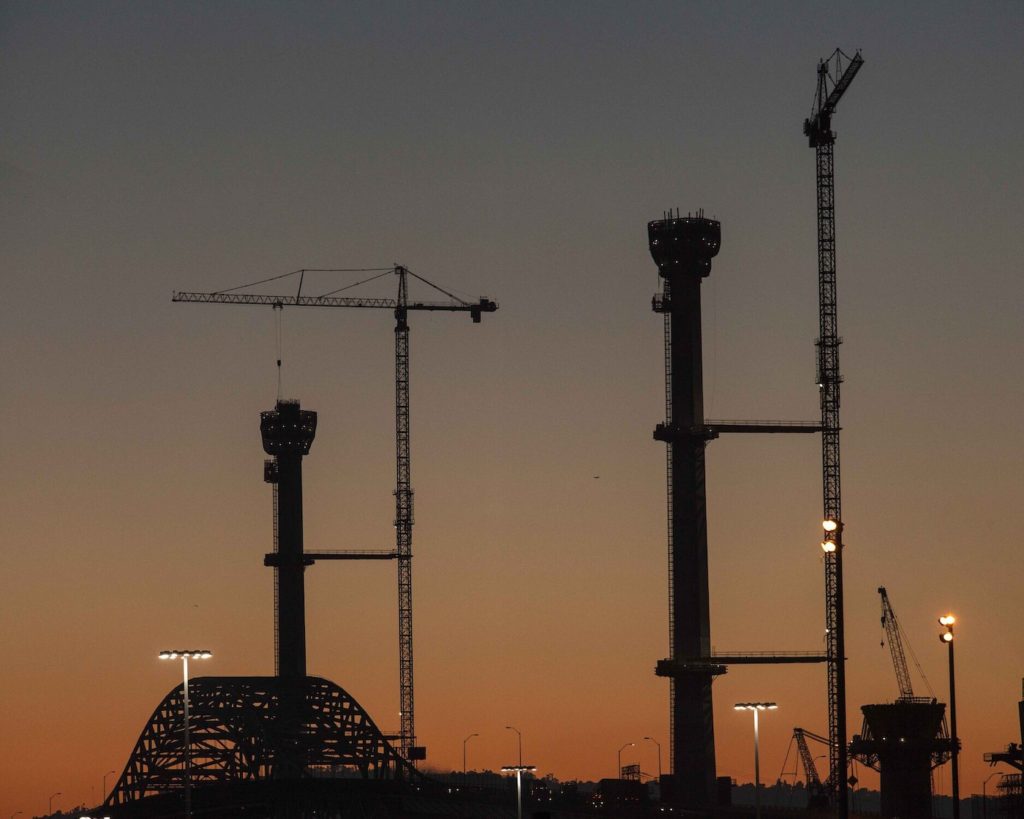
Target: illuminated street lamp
{"points": [[518, 734], [947, 622], [652, 739], [50, 809], [195, 654], [618, 775], [518, 770], [467, 739], [757, 708]]}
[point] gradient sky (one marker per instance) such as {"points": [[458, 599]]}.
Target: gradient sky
{"points": [[514, 150]]}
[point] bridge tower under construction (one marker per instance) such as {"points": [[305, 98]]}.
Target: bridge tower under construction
{"points": [[288, 432], [683, 249]]}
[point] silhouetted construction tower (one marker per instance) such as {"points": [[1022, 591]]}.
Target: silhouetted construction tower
{"points": [[401, 306], [683, 248], [288, 433], [833, 80], [905, 739]]}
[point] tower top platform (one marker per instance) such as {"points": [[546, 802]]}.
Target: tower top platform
{"points": [[684, 244], [288, 429]]}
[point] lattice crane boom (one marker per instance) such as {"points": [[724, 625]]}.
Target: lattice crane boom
{"points": [[810, 770], [832, 84], [402, 306], [892, 635]]}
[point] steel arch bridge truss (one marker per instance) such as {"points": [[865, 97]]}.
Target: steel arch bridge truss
{"points": [[244, 729]]}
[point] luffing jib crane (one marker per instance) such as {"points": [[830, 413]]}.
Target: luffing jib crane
{"points": [[892, 635], [834, 76], [402, 306], [816, 789]]}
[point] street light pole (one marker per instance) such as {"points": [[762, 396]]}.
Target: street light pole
{"points": [[510, 728], [518, 770], [50, 808], [467, 739], [756, 707], [197, 654], [103, 795], [618, 772], [652, 739], [984, 796], [947, 637]]}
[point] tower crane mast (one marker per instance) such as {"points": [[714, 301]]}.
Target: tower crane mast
{"points": [[402, 306], [834, 77]]}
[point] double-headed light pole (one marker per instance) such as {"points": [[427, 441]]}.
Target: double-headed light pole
{"points": [[947, 621], [195, 654], [757, 708]]}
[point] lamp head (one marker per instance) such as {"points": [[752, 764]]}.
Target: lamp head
{"points": [[191, 654]]}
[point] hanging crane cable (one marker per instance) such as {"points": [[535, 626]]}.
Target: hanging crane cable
{"points": [[278, 315]]}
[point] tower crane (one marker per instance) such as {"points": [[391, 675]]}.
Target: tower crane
{"points": [[834, 76], [402, 305]]}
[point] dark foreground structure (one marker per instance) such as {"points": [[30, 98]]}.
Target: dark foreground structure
{"points": [[251, 729], [683, 249], [904, 741]]}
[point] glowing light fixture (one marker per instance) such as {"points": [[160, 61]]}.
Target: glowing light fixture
{"points": [[757, 708], [194, 654]]}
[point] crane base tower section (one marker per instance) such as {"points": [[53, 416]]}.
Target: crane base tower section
{"points": [[683, 247], [903, 741]]}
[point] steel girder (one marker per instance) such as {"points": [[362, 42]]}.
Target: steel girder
{"points": [[256, 728]]}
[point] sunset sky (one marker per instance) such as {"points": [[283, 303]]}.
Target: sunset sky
{"points": [[513, 150]]}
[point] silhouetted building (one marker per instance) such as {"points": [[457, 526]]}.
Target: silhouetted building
{"points": [[683, 248]]}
